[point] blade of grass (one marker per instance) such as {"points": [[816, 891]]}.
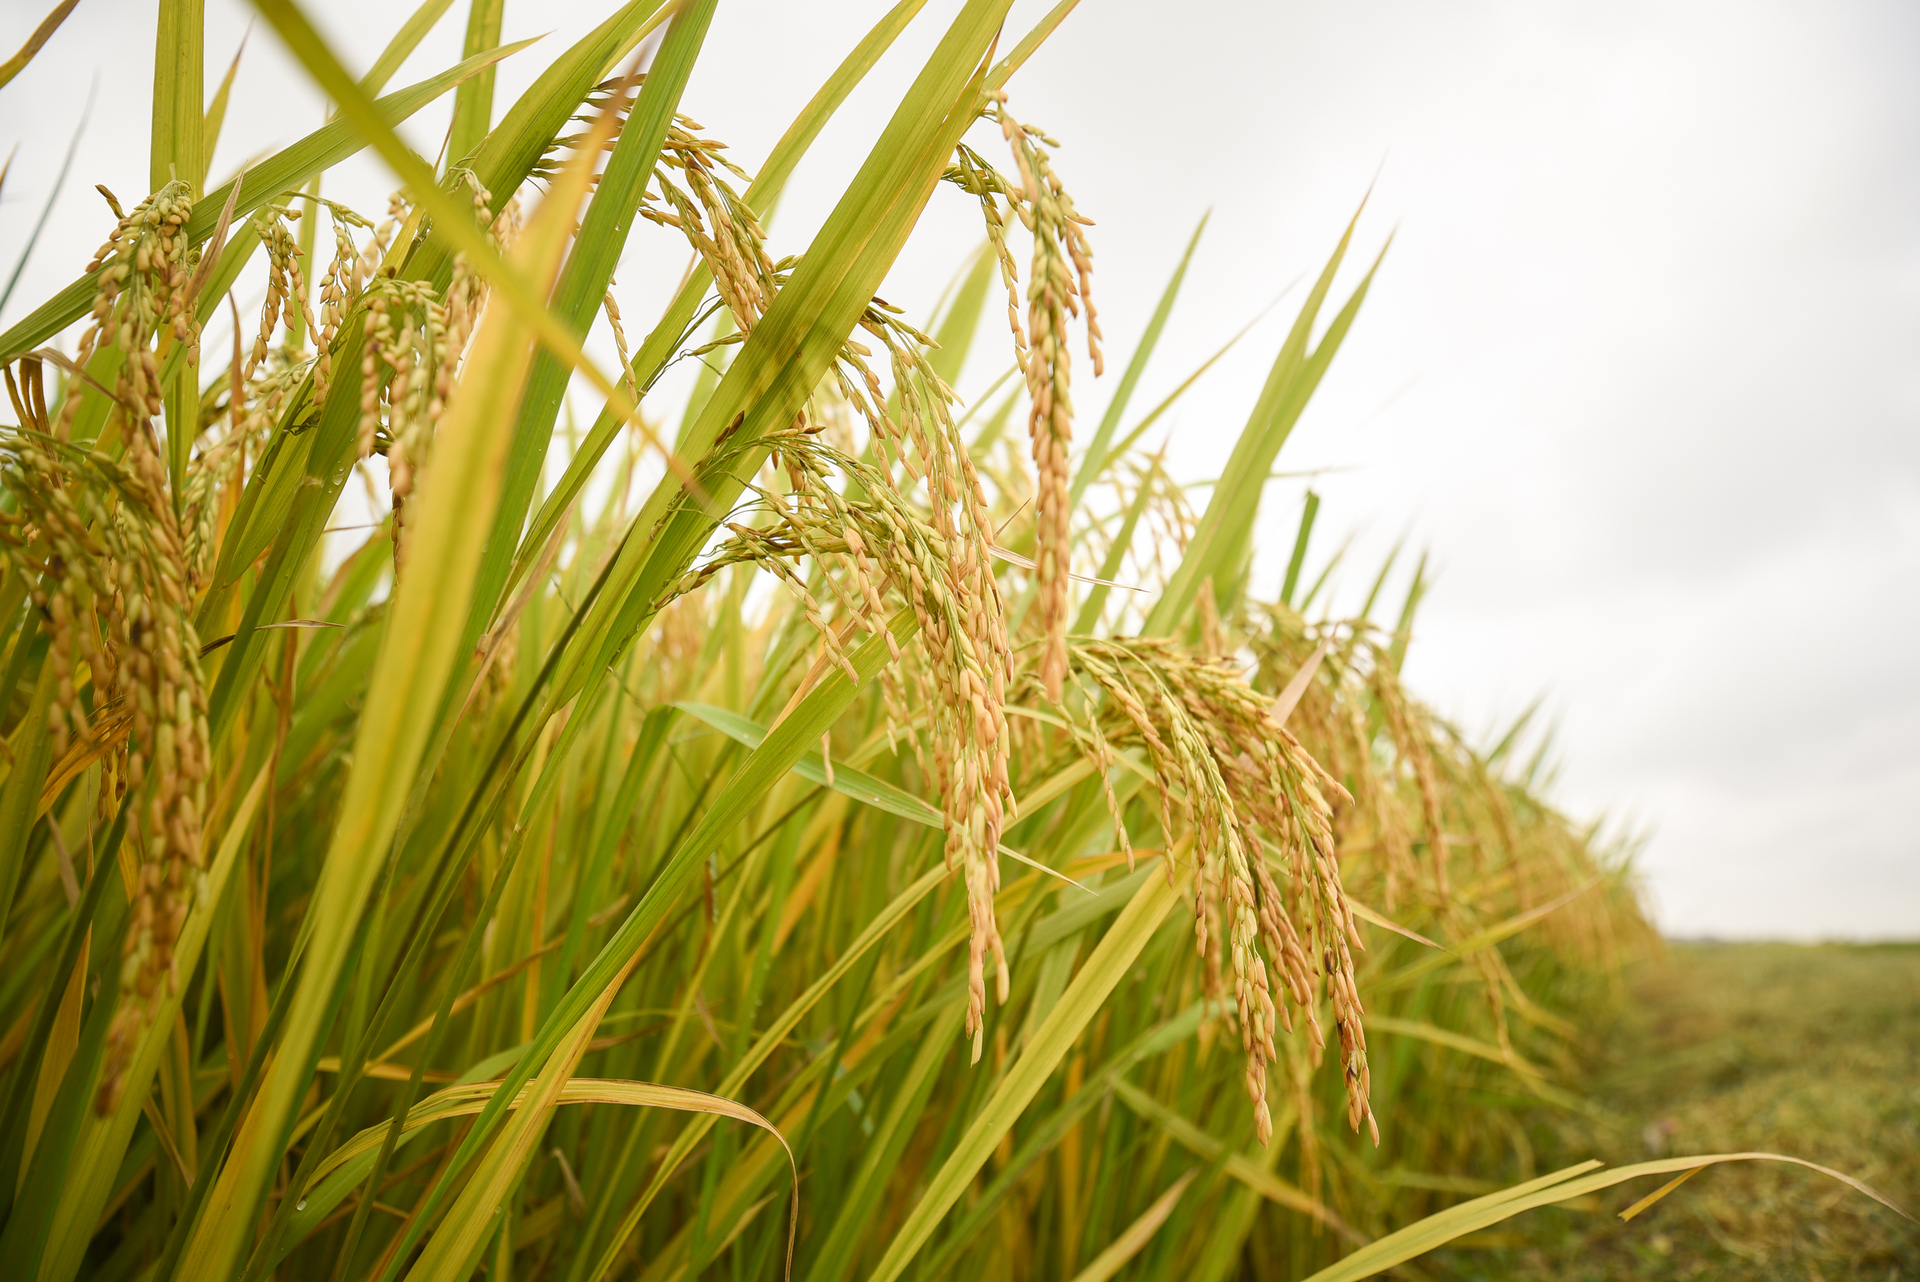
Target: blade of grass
{"points": [[340, 1171], [762, 768], [217, 116], [179, 129], [76, 934], [1299, 556], [454, 1248], [1042, 1137], [954, 335], [583, 283], [53, 195], [847, 781], [1239, 1166], [1172, 398], [404, 42], [857, 1201], [766, 1044], [31, 750], [1096, 602]]}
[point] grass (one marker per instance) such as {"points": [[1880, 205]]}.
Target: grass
{"points": [[753, 845], [1812, 1050]]}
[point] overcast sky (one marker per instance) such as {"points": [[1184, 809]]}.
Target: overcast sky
{"points": [[1640, 368]]}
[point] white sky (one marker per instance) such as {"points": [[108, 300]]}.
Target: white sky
{"points": [[1640, 368]]}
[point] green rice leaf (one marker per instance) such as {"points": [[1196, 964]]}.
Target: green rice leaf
{"points": [[102, 1141], [1095, 458], [1561, 1186], [404, 42], [179, 129], [1111, 959], [416, 658], [1129, 1244], [1224, 529], [473, 101], [217, 115], [347, 1166], [764, 767], [583, 283], [41, 34], [768, 1041]]}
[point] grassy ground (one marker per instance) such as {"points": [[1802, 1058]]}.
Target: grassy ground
{"points": [[1808, 1051]]}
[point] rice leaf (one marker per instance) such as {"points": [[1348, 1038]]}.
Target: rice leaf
{"points": [[1094, 460], [1111, 959], [347, 1166], [1561, 1186], [216, 115], [416, 658], [102, 1141], [473, 101], [1228, 520], [583, 283], [41, 34], [1123, 1248], [404, 42]]}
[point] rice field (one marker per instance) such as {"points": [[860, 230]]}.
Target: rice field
{"points": [[825, 826], [1805, 1049]]}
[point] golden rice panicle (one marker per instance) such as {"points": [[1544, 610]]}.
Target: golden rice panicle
{"points": [[1247, 786], [168, 746], [374, 252], [612, 309], [285, 285], [339, 287], [976, 670], [1318, 868], [50, 541], [939, 559], [124, 565], [973, 174], [940, 562], [1057, 288], [414, 339], [715, 219], [143, 269], [136, 567]]}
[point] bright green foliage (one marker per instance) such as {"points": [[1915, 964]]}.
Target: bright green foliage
{"points": [[550, 881]]}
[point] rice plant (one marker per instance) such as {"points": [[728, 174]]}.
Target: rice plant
{"points": [[840, 836]]}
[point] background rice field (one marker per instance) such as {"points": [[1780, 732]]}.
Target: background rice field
{"points": [[1811, 1049]]}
